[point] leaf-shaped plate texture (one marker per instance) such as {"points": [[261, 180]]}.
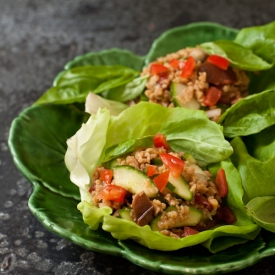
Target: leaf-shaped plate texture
{"points": [[74, 85], [38, 144], [188, 36], [66, 221], [109, 57]]}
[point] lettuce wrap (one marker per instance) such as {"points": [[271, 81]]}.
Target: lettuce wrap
{"points": [[104, 137], [114, 74]]}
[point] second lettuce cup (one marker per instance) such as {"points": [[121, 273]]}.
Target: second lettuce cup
{"points": [[159, 176]]}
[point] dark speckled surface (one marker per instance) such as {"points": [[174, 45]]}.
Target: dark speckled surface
{"points": [[36, 39]]}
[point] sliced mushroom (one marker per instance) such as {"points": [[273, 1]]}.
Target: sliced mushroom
{"points": [[227, 98], [198, 54], [143, 209]]}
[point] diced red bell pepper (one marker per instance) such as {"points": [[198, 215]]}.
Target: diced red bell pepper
{"points": [[174, 164], [112, 193], [228, 215], [187, 231], [188, 67], [221, 183], [158, 69], [219, 61], [212, 96], [174, 63], [106, 175], [151, 170], [161, 180], [160, 141]]}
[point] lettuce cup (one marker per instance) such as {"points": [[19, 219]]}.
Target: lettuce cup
{"points": [[213, 75], [193, 79], [162, 178], [199, 66]]}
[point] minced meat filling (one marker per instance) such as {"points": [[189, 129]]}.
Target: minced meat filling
{"points": [[232, 83], [204, 190], [169, 219]]}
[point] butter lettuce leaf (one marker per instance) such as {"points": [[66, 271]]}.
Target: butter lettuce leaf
{"points": [[186, 130], [145, 119], [260, 39], [110, 57], [132, 90], [127, 147], [73, 85], [95, 102], [250, 115], [190, 35], [253, 48], [262, 81], [199, 137], [114, 135], [216, 239], [238, 55], [92, 215], [262, 210], [257, 174], [82, 156]]}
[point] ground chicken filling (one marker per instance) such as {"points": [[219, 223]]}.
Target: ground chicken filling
{"points": [[206, 83], [165, 210]]}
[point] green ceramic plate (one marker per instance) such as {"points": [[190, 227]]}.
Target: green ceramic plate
{"points": [[38, 143]]}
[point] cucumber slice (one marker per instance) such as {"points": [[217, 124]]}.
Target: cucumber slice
{"points": [[176, 90], [112, 163], [182, 188], [125, 213], [134, 181], [170, 187], [197, 169], [190, 158], [195, 216]]}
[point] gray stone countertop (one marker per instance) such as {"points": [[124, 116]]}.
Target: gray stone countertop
{"points": [[36, 39]]}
